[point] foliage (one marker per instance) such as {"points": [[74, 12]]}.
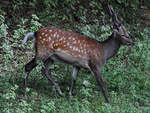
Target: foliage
{"points": [[127, 76], [3, 27]]}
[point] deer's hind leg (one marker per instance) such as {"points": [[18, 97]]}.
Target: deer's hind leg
{"points": [[47, 73], [28, 68]]}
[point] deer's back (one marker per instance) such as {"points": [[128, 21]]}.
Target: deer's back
{"points": [[66, 46]]}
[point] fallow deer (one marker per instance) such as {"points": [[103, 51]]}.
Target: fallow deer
{"points": [[52, 44]]}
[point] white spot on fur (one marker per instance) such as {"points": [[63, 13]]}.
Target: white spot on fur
{"points": [[71, 47], [50, 30], [56, 44], [43, 33], [74, 48], [51, 45], [79, 55], [43, 39], [55, 34], [64, 41], [46, 35], [60, 39], [49, 38], [42, 42], [68, 44], [63, 37], [75, 42], [59, 49], [52, 42]]}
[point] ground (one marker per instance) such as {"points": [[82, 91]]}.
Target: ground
{"points": [[126, 76]]}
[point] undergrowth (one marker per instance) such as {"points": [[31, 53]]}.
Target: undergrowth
{"points": [[126, 76]]}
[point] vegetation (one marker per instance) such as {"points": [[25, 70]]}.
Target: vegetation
{"points": [[126, 76]]}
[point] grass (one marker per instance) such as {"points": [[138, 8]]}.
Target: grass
{"points": [[127, 83], [126, 76]]}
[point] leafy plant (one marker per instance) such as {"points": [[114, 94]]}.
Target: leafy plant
{"points": [[126, 76], [3, 27]]}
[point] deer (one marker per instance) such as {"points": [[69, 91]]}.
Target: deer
{"points": [[53, 44]]}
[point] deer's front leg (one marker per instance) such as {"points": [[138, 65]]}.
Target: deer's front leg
{"points": [[74, 76], [98, 77]]}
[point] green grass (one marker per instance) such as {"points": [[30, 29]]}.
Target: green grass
{"points": [[126, 76]]}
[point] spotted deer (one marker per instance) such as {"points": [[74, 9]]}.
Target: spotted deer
{"points": [[52, 44]]}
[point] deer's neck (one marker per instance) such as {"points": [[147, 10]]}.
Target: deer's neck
{"points": [[111, 46]]}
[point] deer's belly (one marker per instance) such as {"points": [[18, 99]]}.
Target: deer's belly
{"points": [[69, 59]]}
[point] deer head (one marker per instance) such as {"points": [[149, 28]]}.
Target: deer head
{"points": [[119, 30]]}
